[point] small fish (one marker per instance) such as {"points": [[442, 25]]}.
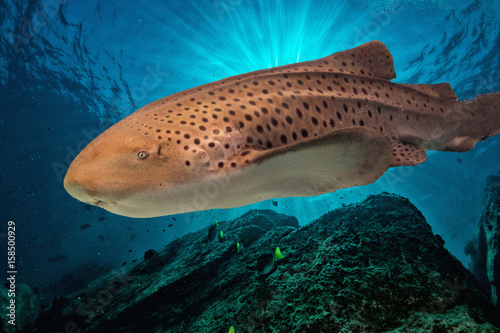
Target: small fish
{"points": [[303, 129], [170, 225], [102, 218], [239, 247], [277, 254], [85, 226], [57, 258]]}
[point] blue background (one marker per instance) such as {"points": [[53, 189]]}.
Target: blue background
{"points": [[69, 69]]}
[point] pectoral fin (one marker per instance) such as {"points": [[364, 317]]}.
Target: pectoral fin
{"points": [[342, 159]]}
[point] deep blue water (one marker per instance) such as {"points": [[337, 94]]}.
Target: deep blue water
{"points": [[69, 69]]}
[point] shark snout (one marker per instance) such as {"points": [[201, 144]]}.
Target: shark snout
{"points": [[84, 184], [87, 195], [78, 188], [92, 184]]}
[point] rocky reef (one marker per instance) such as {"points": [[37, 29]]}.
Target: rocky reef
{"points": [[27, 307], [484, 248], [371, 267]]}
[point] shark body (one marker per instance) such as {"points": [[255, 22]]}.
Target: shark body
{"points": [[298, 130]]}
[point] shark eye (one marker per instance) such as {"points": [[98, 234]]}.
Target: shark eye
{"points": [[143, 155]]}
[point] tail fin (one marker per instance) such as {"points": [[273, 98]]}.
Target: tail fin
{"points": [[481, 120], [486, 109]]}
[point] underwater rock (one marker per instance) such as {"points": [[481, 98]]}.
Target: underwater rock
{"points": [[27, 308], [212, 233], [149, 254], [370, 267], [484, 248]]}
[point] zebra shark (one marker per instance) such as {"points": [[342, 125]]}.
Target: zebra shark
{"points": [[302, 129]]}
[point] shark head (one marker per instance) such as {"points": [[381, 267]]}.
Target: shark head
{"points": [[124, 171]]}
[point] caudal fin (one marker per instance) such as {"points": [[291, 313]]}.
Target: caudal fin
{"points": [[480, 120], [486, 109]]}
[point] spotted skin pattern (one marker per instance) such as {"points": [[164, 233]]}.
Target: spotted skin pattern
{"points": [[232, 123], [275, 107]]}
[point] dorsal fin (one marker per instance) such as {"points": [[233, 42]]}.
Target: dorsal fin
{"points": [[440, 90], [371, 59]]}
